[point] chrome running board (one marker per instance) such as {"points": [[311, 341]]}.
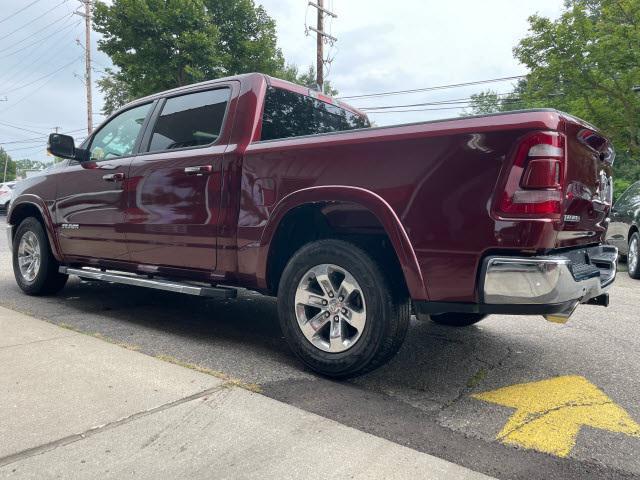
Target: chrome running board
{"points": [[157, 284]]}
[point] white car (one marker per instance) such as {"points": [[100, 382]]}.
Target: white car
{"points": [[5, 195]]}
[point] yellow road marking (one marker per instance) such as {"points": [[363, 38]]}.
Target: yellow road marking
{"points": [[550, 413]]}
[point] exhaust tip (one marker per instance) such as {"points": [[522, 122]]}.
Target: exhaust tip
{"points": [[563, 316]]}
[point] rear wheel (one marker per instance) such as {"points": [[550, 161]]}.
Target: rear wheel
{"points": [[338, 312], [35, 268], [457, 319], [633, 258]]}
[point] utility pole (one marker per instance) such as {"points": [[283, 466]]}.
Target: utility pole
{"points": [[320, 48], [87, 60], [87, 63], [321, 35]]}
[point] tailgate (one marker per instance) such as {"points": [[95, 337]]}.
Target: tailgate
{"points": [[589, 185]]}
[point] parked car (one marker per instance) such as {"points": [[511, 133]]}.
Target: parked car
{"points": [[623, 230], [254, 182], [5, 195]]}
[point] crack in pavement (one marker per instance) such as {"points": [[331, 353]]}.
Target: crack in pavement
{"points": [[61, 442], [4, 347], [538, 415], [467, 388]]}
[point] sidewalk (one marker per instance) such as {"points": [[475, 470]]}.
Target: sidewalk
{"points": [[73, 406]]}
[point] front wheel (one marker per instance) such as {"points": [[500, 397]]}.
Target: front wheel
{"points": [[338, 311], [633, 258], [35, 268]]}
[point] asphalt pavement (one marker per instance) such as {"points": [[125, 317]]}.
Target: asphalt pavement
{"points": [[512, 397]]}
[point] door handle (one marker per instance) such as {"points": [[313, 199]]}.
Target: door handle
{"points": [[199, 170], [113, 177]]}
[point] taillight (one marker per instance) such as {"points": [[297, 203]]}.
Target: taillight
{"points": [[535, 183]]}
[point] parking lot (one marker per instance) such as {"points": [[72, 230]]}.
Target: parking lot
{"points": [[513, 397]]}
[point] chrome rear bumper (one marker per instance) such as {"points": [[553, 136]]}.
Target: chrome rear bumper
{"points": [[568, 279]]}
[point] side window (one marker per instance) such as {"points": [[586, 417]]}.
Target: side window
{"points": [[634, 200], [191, 120], [118, 137], [289, 114]]}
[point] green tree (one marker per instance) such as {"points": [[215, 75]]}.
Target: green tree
{"points": [[155, 45], [27, 164], [587, 63], [489, 101], [5, 159], [307, 78]]}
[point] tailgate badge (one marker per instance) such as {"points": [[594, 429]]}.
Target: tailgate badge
{"points": [[572, 218]]}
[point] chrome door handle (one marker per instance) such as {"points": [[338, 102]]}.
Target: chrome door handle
{"points": [[113, 177], [199, 170]]}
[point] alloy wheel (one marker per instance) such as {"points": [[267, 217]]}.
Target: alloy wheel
{"points": [[330, 308], [633, 255], [29, 256]]}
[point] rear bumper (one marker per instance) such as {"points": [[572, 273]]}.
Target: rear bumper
{"points": [[552, 285], [578, 275]]}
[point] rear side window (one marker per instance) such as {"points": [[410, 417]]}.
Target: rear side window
{"points": [[191, 120], [288, 114], [630, 198]]}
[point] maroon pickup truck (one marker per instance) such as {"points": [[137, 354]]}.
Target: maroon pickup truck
{"points": [[254, 182]]}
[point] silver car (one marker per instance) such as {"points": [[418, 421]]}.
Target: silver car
{"points": [[5, 195]]}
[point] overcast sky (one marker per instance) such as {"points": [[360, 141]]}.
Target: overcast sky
{"points": [[382, 46]]}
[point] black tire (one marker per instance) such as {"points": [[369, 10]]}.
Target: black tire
{"points": [[457, 319], [48, 280], [634, 272], [387, 310]]}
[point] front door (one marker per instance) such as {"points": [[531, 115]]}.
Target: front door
{"points": [[90, 200], [622, 216], [175, 183]]}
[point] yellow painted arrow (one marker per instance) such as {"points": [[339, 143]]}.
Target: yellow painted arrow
{"points": [[550, 413]]}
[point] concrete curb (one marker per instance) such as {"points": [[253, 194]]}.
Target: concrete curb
{"points": [[78, 407]]}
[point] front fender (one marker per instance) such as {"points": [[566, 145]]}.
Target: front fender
{"points": [[365, 198], [17, 213]]}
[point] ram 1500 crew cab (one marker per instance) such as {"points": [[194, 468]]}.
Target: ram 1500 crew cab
{"points": [[253, 182]]}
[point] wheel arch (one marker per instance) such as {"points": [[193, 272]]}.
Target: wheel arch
{"points": [[305, 203], [32, 206]]}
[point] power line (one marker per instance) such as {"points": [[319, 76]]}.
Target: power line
{"points": [[15, 72], [19, 128], [43, 77], [32, 21], [32, 34], [41, 138], [27, 95], [39, 40], [21, 10], [428, 89]]}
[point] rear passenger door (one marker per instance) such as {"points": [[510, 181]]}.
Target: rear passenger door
{"points": [[175, 181]]}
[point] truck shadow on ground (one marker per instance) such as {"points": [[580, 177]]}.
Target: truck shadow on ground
{"points": [[242, 338]]}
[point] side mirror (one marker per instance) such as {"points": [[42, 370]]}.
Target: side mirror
{"points": [[64, 146], [61, 146]]}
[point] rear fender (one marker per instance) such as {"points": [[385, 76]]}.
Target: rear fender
{"points": [[365, 198]]}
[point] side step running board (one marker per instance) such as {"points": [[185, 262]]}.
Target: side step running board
{"points": [[158, 284]]}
